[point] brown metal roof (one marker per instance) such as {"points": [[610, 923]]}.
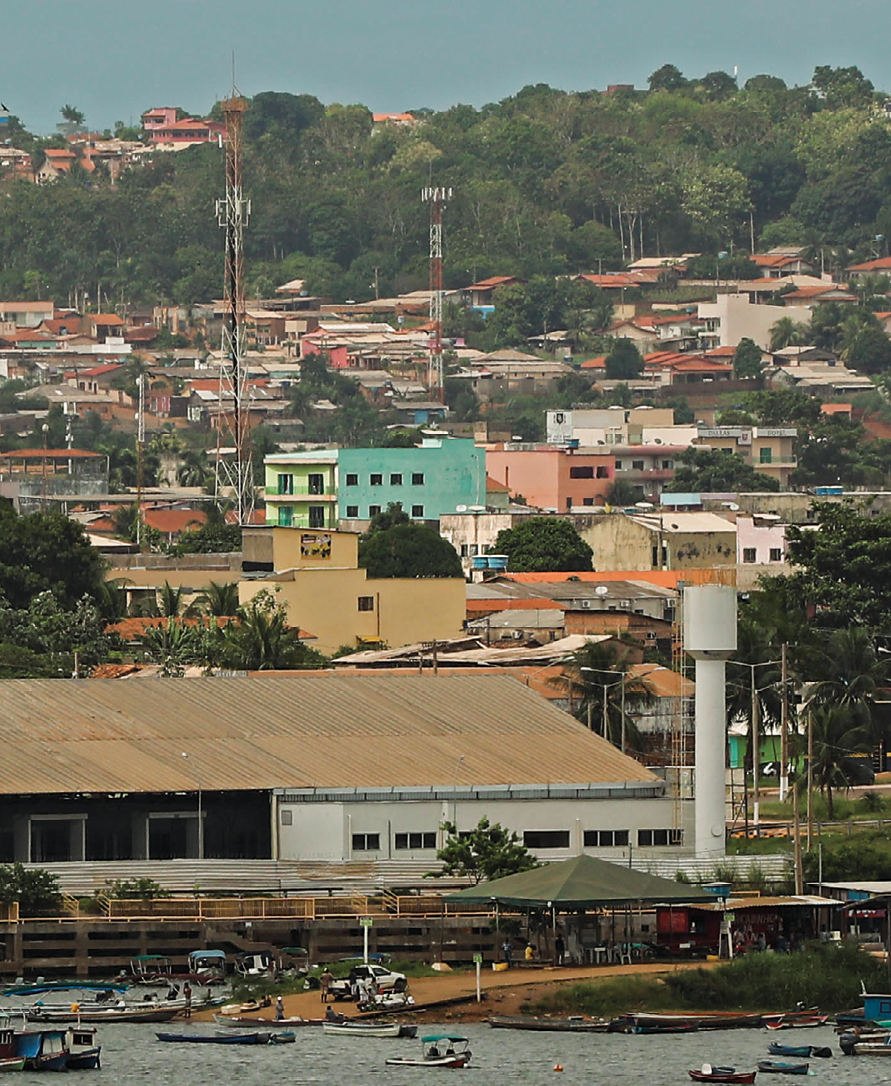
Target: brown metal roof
{"points": [[305, 730]]}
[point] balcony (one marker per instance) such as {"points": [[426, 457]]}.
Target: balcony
{"points": [[302, 492]]}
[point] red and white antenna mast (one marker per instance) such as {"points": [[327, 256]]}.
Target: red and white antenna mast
{"points": [[437, 198], [234, 472]]}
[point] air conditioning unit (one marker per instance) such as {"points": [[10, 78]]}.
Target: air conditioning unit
{"points": [[651, 635], [585, 604]]}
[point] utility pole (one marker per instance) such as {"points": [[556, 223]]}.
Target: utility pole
{"points": [[810, 777], [784, 731], [140, 441], [756, 753], [437, 198], [233, 213]]}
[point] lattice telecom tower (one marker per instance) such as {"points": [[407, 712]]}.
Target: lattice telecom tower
{"points": [[437, 198], [234, 470]]}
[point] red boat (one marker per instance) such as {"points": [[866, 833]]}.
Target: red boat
{"points": [[722, 1074], [796, 1022]]}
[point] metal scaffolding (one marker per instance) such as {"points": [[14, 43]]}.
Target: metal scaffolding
{"points": [[437, 198]]}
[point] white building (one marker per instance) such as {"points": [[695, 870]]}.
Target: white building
{"points": [[733, 317]]}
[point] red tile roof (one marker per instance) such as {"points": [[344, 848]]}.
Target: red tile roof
{"points": [[39, 454], [598, 363], [174, 521], [492, 281], [882, 264], [105, 318]]}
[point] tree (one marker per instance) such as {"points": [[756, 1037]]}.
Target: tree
{"points": [[747, 359], [262, 640], [837, 735], [391, 517], [843, 87], [408, 550], [787, 333], [870, 351], [487, 852], [544, 545], [46, 552], [36, 891], [219, 599], [667, 78], [624, 362], [718, 85], [610, 687], [712, 470], [194, 469]]}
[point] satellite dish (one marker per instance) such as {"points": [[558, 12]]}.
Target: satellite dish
{"points": [[460, 508], [601, 590], [676, 527], [657, 440]]}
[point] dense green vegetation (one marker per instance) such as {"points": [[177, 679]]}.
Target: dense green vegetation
{"points": [[824, 975], [545, 182]]}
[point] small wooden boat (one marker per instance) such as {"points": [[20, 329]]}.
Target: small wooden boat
{"points": [[286, 1037], [798, 1023], [43, 1049], [707, 1073], [12, 1063], [215, 1038], [240, 1020], [107, 1014], [666, 1027], [437, 1050], [83, 1052], [575, 1024], [803, 1051], [625, 1023], [370, 1029], [777, 1067], [852, 1045]]}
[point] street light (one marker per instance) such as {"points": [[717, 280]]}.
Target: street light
{"points": [[200, 812], [620, 681], [753, 729]]}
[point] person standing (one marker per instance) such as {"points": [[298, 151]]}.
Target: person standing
{"points": [[325, 983], [187, 994], [279, 1009], [507, 950], [559, 949]]}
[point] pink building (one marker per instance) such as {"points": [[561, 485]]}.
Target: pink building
{"points": [[553, 478], [760, 540], [159, 117]]}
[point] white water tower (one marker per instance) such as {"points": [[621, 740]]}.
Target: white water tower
{"points": [[710, 638]]}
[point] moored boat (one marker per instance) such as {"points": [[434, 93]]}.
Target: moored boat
{"points": [[437, 1050], [879, 1045], [575, 1024], [370, 1029], [777, 1067], [42, 1049], [626, 1023], [707, 1073], [12, 1063], [255, 1038], [239, 1020], [107, 1014], [83, 1052], [803, 1051]]}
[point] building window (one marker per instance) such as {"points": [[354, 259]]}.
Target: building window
{"points": [[748, 554], [417, 478], [587, 501], [286, 484], [373, 510], [666, 465], [637, 465], [352, 512], [417, 511], [546, 839], [465, 550], [366, 842], [767, 456], [366, 603], [606, 838], [377, 480], [287, 818], [317, 516], [414, 840], [286, 516], [660, 837], [603, 472], [582, 472], [618, 465], [776, 554], [352, 480], [395, 478], [317, 484]]}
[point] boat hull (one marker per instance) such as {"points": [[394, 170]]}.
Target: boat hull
{"points": [[769, 1067], [549, 1025], [215, 1038], [241, 1020], [461, 1059], [743, 1078], [13, 1063], [156, 1014], [366, 1029]]}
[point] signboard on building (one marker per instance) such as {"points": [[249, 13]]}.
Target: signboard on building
{"points": [[315, 545]]}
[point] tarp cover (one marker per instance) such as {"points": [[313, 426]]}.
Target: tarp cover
{"points": [[581, 883]]}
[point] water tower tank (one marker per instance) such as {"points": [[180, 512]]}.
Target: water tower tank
{"points": [[710, 619]]}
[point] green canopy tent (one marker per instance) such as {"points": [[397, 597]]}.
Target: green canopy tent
{"points": [[581, 883]]}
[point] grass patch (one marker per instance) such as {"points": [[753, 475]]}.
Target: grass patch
{"points": [[824, 975]]}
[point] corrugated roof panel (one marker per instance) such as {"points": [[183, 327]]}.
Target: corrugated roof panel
{"points": [[302, 730]]}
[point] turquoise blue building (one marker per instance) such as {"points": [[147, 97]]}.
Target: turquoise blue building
{"points": [[433, 478]]}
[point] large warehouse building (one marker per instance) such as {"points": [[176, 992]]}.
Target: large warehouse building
{"points": [[312, 766]]}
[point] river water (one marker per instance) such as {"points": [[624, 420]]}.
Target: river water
{"points": [[131, 1055]]}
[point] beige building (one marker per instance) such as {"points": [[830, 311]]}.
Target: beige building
{"points": [[316, 574], [769, 449], [667, 541]]}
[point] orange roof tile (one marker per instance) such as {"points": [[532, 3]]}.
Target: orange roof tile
{"points": [[882, 264]]}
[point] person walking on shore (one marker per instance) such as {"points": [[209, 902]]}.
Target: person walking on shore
{"points": [[325, 983]]}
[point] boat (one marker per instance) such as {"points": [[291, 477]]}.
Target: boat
{"points": [[254, 1038], [286, 1037], [437, 1050], [575, 1024], [240, 1020], [777, 1067], [626, 1023], [42, 1049], [803, 1051], [12, 1063], [76, 1014], [852, 1045], [707, 1073], [83, 1052], [797, 1023], [667, 1027], [370, 1029]]}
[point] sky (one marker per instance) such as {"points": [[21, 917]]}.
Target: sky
{"points": [[113, 59]]}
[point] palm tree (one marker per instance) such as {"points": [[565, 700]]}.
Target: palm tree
{"points": [[787, 333], [194, 470], [262, 640], [219, 600], [837, 734], [609, 685]]}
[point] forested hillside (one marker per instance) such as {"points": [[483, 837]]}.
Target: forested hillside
{"points": [[545, 182]]}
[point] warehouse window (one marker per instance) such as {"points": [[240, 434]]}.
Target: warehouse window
{"points": [[546, 839], [660, 837], [287, 818], [366, 842], [414, 840], [606, 838]]}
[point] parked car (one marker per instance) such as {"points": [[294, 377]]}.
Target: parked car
{"points": [[385, 979]]}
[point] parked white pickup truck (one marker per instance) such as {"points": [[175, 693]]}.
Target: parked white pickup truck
{"points": [[385, 979]]}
